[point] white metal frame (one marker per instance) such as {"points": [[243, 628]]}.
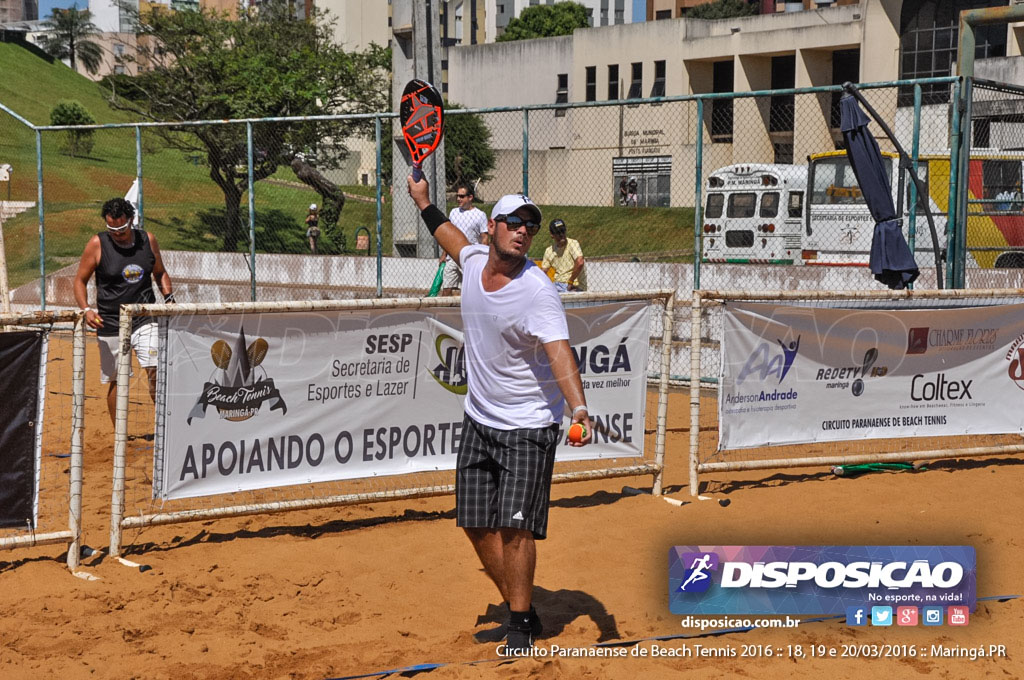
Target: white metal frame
{"points": [[119, 522], [701, 297], [73, 535]]}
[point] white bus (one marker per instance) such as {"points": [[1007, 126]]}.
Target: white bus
{"points": [[839, 227], [754, 214]]}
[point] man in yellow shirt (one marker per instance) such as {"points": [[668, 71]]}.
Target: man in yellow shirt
{"points": [[566, 257]]}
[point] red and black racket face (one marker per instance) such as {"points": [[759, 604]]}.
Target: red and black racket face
{"points": [[422, 115]]}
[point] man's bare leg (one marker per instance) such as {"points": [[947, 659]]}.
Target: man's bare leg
{"points": [[112, 400], [520, 555], [489, 549]]}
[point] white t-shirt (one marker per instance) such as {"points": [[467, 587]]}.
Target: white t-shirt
{"points": [[472, 223], [510, 381]]}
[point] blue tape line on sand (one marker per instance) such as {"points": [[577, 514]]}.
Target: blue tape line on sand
{"points": [[409, 671]]}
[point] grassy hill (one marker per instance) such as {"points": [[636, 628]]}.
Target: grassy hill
{"points": [[182, 202]]}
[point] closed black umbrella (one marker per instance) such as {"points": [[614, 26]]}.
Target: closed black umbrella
{"points": [[891, 261]]}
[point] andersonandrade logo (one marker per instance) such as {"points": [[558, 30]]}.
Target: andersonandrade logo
{"points": [[239, 385], [816, 579]]}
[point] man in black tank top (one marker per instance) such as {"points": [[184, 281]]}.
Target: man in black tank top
{"points": [[125, 262]]}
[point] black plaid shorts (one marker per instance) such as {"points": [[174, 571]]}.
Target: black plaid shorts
{"points": [[503, 477]]}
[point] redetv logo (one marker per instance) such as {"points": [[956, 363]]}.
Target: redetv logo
{"points": [[817, 579]]}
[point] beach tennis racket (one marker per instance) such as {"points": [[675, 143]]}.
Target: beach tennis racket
{"points": [[421, 113]]}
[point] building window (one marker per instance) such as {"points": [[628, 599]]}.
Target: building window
{"points": [[845, 68], [721, 109], [613, 82], [636, 84], [653, 178], [659, 79], [929, 36], [591, 83], [562, 93], [662, 14], [781, 109]]}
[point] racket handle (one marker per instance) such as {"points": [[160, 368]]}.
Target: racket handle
{"points": [[417, 172]]}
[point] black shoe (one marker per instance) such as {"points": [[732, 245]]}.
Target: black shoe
{"points": [[498, 633], [519, 641]]}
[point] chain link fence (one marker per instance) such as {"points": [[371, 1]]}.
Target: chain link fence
{"points": [[741, 191]]}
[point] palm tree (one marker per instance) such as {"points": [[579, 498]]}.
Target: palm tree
{"points": [[68, 36]]}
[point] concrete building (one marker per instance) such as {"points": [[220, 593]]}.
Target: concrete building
{"points": [[602, 13], [18, 10], [876, 40]]}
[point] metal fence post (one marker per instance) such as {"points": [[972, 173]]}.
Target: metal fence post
{"points": [[954, 170], [526, 151], [252, 214], [698, 212], [138, 172], [915, 145], [42, 238], [962, 207], [380, 227]]}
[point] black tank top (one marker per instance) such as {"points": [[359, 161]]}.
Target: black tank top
{"points": [[124, 276]]}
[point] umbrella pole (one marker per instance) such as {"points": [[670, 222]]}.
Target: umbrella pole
{"points": [[905, 164]]}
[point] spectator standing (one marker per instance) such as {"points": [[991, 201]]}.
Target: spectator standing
{"points": [[566, 257]]}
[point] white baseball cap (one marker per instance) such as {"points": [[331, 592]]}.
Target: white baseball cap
{"points": [[508, 204], [312, 206]]}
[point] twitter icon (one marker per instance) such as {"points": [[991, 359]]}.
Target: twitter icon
{"points": [[881, 616]]}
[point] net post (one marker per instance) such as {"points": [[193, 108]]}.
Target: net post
{"points": [[77, 425], [124, 363], [695, 335], [666, 362]]}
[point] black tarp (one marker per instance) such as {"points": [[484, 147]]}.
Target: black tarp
{"points": [[891, 261], [20, 354]]}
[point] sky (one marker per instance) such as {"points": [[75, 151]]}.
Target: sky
{"points": [[46, 6]]}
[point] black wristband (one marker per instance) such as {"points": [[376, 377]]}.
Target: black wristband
{"points": [[169, 299], [433, 217]]}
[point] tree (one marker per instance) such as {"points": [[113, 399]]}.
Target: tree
{"points": [[70, 112], [545, 21], [468, 155], [204, 65], [722, 9], [67, 37]]}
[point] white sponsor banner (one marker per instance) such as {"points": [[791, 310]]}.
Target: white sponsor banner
{"points": [[797, 374], [263, 400]]}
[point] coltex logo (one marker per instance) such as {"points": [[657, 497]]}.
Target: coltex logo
{"points": [[697, 578], [764, 363]]}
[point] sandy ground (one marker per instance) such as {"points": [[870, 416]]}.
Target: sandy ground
{"points": [[359, 590]]}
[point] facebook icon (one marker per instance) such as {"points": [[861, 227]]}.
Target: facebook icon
{"points": [[856, 616]]}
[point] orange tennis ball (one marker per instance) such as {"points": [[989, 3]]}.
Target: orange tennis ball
{"points": [[577, 432]]}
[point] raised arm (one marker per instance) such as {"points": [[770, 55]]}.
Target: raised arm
{"points": [[449, 237]]}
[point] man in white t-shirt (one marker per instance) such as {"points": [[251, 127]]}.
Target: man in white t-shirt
{"points": [[522, 377], [472, 222]]}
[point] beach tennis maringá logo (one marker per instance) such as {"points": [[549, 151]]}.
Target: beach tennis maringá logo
{"points": [[239, 385]]}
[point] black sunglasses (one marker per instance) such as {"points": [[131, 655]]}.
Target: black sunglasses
{"points": [[461, 195], [512, 222]]}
